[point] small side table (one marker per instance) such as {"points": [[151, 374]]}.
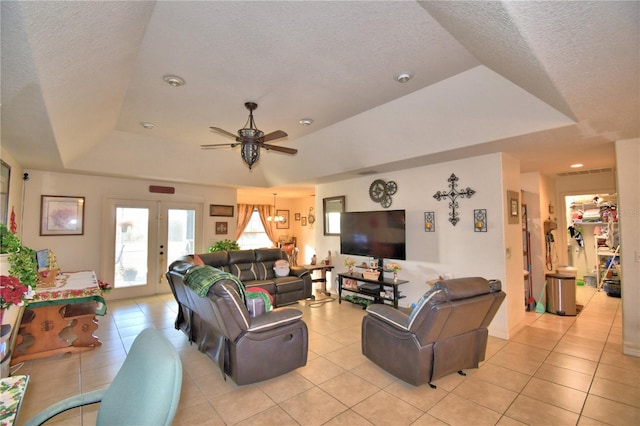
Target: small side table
{"points": [[12, 391], [323, 275]]}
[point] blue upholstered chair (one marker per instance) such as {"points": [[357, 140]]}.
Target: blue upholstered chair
{"points": [[146, 390]]}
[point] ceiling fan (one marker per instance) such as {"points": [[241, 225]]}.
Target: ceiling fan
{"points": [[251, 139]]}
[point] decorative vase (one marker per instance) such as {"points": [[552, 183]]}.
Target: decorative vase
{"points": [[351, 269], [395, 277]]}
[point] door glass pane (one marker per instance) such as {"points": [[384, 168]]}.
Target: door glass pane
{"points": [[180, 233], [132, 242]]}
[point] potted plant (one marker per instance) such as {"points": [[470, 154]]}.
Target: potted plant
{"points": [[224, 245], [21, 259], [128, 273]]}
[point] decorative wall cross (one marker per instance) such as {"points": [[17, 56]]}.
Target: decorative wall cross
{"points": [[453, 194]]}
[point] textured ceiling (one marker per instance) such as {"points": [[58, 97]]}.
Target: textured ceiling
{"points": [[549, 83]]}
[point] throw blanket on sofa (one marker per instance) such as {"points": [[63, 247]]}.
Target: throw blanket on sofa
{"points": [[200, 278]]}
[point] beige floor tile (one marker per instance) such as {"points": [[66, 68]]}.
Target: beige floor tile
{"points": [[486, 394], [577, 350], [349, 388], [631, 363], [611, 412], [618, 374], [199, 414], [515, 362], [554, 394], [284, 387], [313, 407], [534, 412], [348, 336], [241, 404], [622, 393], [271, 416], [320, 370], [562, 376], [569, 362], [383, 408], [323, 344], [455, 410], [541, 338], [503, 377], [428, 420], [422, 397], [347, 357], [374, 374], [348, 418], [508, 421]]}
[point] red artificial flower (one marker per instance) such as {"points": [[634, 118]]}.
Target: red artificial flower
{"points": [[11, 291]]}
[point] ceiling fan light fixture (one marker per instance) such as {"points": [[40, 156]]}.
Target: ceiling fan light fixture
{"points": [[403, 77], [147, 125], [174, 80], [250, 153], [305, 121]]}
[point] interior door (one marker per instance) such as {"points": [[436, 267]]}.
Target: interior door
{"points": [[140, 239]]}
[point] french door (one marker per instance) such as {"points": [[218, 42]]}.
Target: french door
{"points": [[140, 239]]}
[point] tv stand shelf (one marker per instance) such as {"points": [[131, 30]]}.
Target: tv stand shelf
{"points": [[386, 286]]}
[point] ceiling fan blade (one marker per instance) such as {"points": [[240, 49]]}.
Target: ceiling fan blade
{"points": [[224, 132], [218, 145], [280, 149], [274, 135]]}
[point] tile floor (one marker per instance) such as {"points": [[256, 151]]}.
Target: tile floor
{"points": [[556, 371]]}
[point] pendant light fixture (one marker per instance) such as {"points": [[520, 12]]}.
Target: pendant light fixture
{"points": [[275, 218]]}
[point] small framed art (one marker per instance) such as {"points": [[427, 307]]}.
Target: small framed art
{"points": [[61, 215], [221, 228], [220, 210], [513, 206], [303, 221], [284, 224]]}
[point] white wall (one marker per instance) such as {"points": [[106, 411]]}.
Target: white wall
{"points": [[627, 159], [15, 189], [85, 251], [450, 250]]}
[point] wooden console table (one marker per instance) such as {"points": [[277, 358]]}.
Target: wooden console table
{"points": [[61, 319]]}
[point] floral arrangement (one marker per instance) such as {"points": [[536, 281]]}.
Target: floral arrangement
{"points": [[349, 262], [105, 287], [13, 292], [393, 267]]}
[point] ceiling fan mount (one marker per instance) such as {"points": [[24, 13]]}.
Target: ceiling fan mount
{"points": [[252, 139]]}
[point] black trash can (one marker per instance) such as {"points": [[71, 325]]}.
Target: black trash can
{"points": [[561, 294]]}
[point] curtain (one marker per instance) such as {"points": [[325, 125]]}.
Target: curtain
{"points": [[265, 210], [244, 216]]}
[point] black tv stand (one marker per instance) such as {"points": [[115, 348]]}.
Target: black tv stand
{"points": [[374, 294]]}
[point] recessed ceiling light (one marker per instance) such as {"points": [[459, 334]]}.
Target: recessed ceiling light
{"points": [[305, 121], [403, 77], [147, 125], [173, 80], [577, 165]]}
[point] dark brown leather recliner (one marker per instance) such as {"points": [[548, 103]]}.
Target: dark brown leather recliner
{"points": [[446, 331], [248, 349]]}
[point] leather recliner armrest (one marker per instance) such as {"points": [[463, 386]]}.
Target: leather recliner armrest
{"points": [[274, 319], [389, 315], [298, 271]]}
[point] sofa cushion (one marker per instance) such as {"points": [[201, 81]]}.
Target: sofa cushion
{"points": [[245, 271]]}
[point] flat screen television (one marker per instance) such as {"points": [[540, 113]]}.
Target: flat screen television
{"points": [[379, 234]]}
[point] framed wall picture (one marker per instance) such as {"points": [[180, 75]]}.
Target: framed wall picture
{"points": [[285, 223], [513, 206], [5, 175], [297, 216], [429, 222], [303, 221], [220, 210], [61, 215], [221, 228]]}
